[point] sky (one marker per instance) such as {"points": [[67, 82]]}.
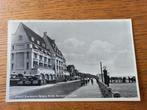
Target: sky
{"points": [[86, 43]]}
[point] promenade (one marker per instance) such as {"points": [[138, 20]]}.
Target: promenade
{"points": [[70, 89], [91, 90], [58, 90]]}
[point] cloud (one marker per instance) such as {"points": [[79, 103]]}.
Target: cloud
{"points": [[86, 57], [73, 45], [124, 62], [100, 50], [73, 49]]}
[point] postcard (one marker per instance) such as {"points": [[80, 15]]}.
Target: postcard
{"points": [[71, 60]]}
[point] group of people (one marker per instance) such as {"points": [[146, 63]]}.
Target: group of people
{"points": [[108, 79], [122, 79], [86, 81]]}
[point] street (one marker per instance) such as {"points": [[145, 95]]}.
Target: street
{"points": [[71, 89], [58, 90]]}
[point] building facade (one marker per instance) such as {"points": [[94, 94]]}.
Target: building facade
{"points": [[33, 55]]}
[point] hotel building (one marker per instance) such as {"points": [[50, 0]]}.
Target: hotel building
{"points": [[33, 55]]}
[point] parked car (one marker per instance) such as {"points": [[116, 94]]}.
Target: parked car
{"points": [[14, 79]]}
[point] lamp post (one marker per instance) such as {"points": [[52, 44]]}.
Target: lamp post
{"points": [[101, 70]]}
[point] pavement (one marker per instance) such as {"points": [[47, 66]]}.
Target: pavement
{"points": [[15, 90], [70, 89], [91, 90], [58, 90]]}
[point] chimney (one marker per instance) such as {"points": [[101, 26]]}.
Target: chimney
{"points": [[53, 40], [45, 34]]}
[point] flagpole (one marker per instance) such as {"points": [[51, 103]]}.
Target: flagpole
{"points": [[101, 71]]}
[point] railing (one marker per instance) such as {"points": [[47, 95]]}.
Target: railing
{"points": [[35, 59], [41, 60], [106, 91]]}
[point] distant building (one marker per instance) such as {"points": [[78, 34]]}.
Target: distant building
{"points": [[32, 54], [71, 70]]}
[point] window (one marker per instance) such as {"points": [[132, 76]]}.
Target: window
{"points": [[19, 46], [57, 68], [12, 56], [45, 65], [12, 66], [55, 49], [40, 49], [45, 52], [20, 37], [38, 42], [41, 64], [12, 47], [45, 59], [49, 60], [29, 45], [57, 61], [35, 46], [27, 65], [27, 55], [43, 45], [40, 57], [53, 45], [35, 55], [35, 64], [32, 38]]}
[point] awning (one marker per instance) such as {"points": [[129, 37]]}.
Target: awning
{"points": [[66, 73], [46, 71]]}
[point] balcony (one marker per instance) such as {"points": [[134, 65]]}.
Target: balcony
{"points": [[35, 59], [45, 62], [41, 60]]}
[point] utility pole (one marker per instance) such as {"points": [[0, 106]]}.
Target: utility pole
{"points": [[101, 70]]}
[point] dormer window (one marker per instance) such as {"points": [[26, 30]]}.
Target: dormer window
{"points": [[32, 38], [38, 42], [36, 46], [29, 45], [45, 52], [43, 45], [20, 37], [53, 45], [55, 49]]}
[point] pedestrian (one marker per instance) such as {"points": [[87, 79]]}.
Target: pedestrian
{"points": [[91, 81], [106, 77]]}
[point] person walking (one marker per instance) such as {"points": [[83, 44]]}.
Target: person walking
{"points": [[106, 77]]}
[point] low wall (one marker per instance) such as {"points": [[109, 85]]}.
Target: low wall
{"points": [[106, 91]]}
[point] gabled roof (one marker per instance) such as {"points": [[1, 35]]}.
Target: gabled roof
{"points": [[31, 33], [37, 37], [54, 46]]}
